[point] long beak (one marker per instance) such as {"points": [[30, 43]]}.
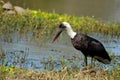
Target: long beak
{"points": [[57, 35]]}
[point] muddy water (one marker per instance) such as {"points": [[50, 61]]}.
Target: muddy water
{"points": [[25, 52]]}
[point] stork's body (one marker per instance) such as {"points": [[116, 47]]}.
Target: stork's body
{"points": [[86, 44], [90, 47]]}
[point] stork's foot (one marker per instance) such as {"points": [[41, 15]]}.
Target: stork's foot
{"points": [[87, 67]]}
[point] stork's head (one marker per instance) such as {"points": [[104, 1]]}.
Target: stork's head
{"points": [[65, 26]]}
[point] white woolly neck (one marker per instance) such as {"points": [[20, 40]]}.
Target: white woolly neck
{"points": [[71, 33], [69, 30]]}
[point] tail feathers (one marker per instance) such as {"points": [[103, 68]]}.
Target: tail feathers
{"points": [[103, 60]]}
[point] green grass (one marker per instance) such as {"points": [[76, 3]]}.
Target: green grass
{"points": [[41, 23]]}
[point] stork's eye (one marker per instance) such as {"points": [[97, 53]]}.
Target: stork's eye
{"points": [[62, 26]]}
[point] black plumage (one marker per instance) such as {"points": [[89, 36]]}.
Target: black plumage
{"points": [[90, 47]]}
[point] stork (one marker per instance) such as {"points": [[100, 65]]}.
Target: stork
{"points": [[89, 46]]}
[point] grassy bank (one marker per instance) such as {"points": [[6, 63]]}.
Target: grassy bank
{"points": [[12, 73], [41, 23]]}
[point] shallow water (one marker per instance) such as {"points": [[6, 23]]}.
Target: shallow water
{"points": [[25, 52]]}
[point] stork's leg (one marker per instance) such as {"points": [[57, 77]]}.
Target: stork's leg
{"points": [[92, 62], [86, 60]]}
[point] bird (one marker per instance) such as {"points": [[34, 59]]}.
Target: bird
{"points": [[89, 46]]}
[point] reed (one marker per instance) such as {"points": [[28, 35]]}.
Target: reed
{"points": [[41, 23]]}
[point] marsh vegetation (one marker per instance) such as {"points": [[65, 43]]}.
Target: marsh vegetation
{"points": [[40, 26]]}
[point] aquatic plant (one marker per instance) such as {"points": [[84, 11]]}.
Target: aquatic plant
{"points": [[56, 64], [15, 58], [2, 57], [57, 68]]}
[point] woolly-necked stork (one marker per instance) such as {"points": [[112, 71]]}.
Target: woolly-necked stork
{"points": [[86, 44]]}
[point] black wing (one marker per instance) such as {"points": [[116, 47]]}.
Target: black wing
{"points": [[91, 47], [98, 51]]}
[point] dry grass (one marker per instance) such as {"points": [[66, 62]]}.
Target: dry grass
{"points": [[12, 73]]}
